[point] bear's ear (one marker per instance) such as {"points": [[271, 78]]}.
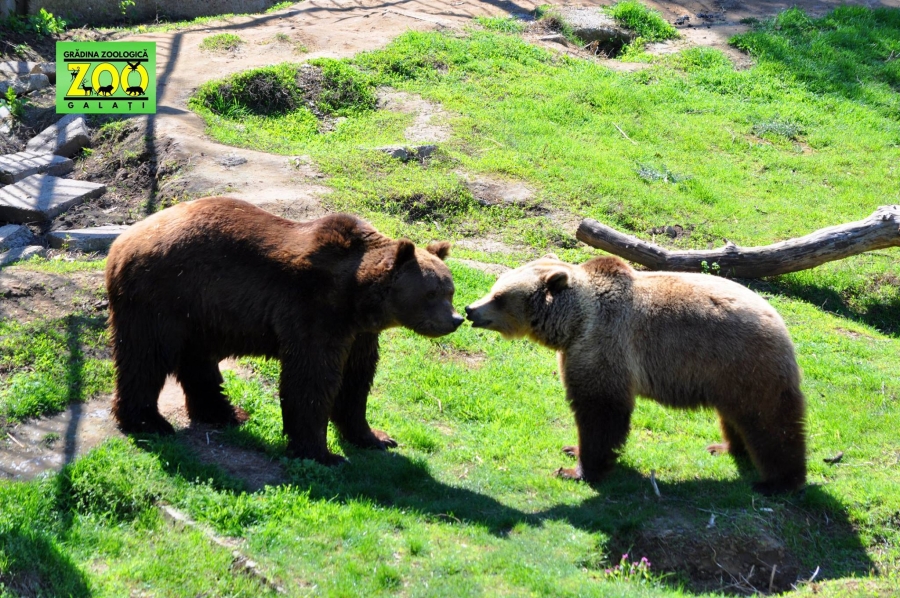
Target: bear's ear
{"points": [[557, 281], [440, 249], [551, 256], [406, 250]]}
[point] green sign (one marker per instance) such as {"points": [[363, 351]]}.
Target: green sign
{"points": [[106, 77]]}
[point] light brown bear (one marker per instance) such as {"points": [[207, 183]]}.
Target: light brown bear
{"points": [[217, 277], [683, 340]]}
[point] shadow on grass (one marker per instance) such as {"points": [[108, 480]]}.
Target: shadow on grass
{"points": [[883, 316], [35, 566], [797, 533], [849, 52]]}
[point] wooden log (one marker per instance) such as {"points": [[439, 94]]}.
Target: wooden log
{"points": [[878, 231]]}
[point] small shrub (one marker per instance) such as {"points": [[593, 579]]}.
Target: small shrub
{"points": [[647, 23], [221, 42], [43, 24], [651, 174], [15, 104]]}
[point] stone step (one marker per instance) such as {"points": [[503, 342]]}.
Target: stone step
{"points": [[20, 254], [86, 239], [42, 197], [64, 138], [15, 167], [14, 235]]}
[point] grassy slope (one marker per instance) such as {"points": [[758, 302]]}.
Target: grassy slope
{"points": [[468, 505]]}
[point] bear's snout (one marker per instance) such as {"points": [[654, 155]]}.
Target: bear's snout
{"points": [[457, 321], [474, 317]]}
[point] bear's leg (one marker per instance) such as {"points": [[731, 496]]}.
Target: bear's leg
{"points": [[732, 442], [307, 388], [140, 376], [349, 410], [776, 443], [202, 384], [603, 417]]}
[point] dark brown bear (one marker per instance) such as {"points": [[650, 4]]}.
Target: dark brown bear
{"points": [[218, 277]]}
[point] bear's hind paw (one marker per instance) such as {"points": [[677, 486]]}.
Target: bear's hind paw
{"points": [[569, 473], [718, 448]]}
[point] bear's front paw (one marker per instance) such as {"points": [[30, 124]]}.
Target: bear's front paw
{"points": [[572, 451], [385, 440], [569, 473]]}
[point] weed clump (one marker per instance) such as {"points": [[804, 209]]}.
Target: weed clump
{"points": [[501, 24], [647, 23], [325, 87], [221, 42], [332, 87], [269, 90], [778, 128]]}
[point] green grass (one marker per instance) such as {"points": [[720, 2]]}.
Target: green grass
{"points": [[501, 24], [167, 26], [221, 42], [647, 23]]}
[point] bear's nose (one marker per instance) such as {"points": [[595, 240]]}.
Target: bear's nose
{"points": [[457, 321], [468, 310]]}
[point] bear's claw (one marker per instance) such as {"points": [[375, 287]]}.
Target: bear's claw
{"points": [[718, 448]]}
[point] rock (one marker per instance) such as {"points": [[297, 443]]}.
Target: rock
{"points": [[45, 68], [86, 239], [231, 160], [65, 138], [489, 192], [42, 197], [591, 25], [558, 38], [14, 68], [25, 84], [14, 235], [5, 113], [405, 154], [15, 167], [20, 254]]}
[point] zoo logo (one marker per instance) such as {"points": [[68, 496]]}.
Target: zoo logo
{"points": [[106, 77]]}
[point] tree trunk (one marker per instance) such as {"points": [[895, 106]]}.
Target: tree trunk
{"points": [[878, 231]]}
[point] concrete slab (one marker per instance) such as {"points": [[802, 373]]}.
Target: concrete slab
{"points": [[42, 197], [14, 235], [86, 239], [20, 254], [64, 138], [17, 67], [15, 167], [25, 84]]}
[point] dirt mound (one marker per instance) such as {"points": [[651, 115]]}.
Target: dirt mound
{"points": [[733, 561]]}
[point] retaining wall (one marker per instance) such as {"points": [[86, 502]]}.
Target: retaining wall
{"points": [[105, 12]]}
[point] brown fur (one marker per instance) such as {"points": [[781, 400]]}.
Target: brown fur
{"points": [[218, 277], [683, 340]]}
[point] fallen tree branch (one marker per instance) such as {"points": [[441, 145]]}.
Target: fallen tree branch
{"points": [[878, 231]]}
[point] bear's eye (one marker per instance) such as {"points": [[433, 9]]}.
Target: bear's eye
{"points": [[430, 295], [499, 300]]}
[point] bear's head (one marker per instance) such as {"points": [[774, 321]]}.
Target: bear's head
{"points": [[421, 292], [526, 301]]}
